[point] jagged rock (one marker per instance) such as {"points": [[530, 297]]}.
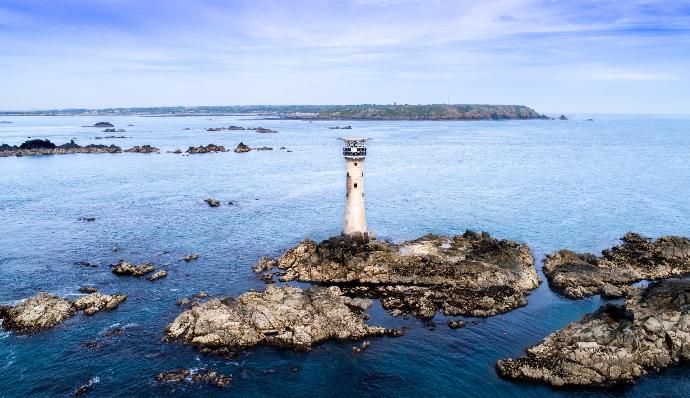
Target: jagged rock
{"points": [[212, 202], [473, 274], [127, 268], [183, 302], [87, 219], [279, 316], [206, 149], [265, 264], [242, 147], [143, 149], [365, 344], [637, 258], [45, 147], [44, 311], [614, 345], [158, 275], [562, 117], [96, 302], [456, 323], [263, 148], [102, 125], [201, 294], [194, 376], [40, 312], [192, 256], [88, 289]]}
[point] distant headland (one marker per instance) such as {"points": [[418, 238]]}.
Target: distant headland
{"points": [[316, 112]]}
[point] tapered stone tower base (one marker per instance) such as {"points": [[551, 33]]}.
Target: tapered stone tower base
{"points": [[355, 222]]}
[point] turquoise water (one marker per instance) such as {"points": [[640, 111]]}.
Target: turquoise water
{"points": [[552, 184]]}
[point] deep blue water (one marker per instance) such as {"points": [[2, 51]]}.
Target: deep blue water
{"points": [[553, 184]]}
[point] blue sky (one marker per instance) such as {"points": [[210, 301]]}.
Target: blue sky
{"points": [[556, 56]]}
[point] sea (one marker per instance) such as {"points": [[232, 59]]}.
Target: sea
{"points": [[552, 184]]}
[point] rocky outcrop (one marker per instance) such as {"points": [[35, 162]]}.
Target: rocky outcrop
{"points": [[423, 112], [44, 311], [190, 257], [615, 345], [194, 376], [143, 149], [473, 274], [45, 147], [127, 268], [96, 302], [242, 147], [456, 323], [562, 117], [279, 316], [158, 275], [102, 125], [637, 258], [239, 128], [206, 149], [212, 202]]}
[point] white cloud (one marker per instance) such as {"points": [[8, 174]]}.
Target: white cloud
{"points": [[624, 75]]}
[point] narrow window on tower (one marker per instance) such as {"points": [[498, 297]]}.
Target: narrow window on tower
{"points": [[355, 185], [348, 174], [355, 163]]}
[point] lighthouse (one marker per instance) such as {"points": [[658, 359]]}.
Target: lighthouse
{"points": [[355, 222]]}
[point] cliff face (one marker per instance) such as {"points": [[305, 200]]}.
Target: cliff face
{"points": [[430, 112]]}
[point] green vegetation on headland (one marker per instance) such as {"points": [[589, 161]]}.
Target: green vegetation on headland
{"points": [[430, 112], [316, 112]]}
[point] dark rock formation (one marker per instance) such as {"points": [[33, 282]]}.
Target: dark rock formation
{"points": [[456, 323], [562, 117], [264, 130], [263, 148], [85, 264], [206, 149], [242, 147], [212, 202], [102, 125], [203, 375], [45, 147], [358, 349], [127, 268], [88, 219], [615, 345], [143, 149], [279, 316], [114, 131], [88, 289], [637, 258], [44, 311], [473, 274], [341, 128]]}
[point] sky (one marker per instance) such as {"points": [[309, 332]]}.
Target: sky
{"points": [[583, 56]]}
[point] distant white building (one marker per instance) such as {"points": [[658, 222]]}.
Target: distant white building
{"points": [[355, 223]]}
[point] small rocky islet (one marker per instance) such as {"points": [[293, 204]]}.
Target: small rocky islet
{"points": [[44, 311], [46, 147], [472, 274], [615, 345], [638, 258]]}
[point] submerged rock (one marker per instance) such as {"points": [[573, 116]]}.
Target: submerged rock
{"points": [[456, 323], [614, 345], [88, 289], [637, 258], [279, 316], [127, 268], [473, 274], [44, 311], [194, 376]]}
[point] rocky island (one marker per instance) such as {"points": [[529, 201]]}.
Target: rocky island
{"points": [[579, 275], [471, 274], [285, 316], [424, 112], [614, 345], [44, 311], [46, 147]]}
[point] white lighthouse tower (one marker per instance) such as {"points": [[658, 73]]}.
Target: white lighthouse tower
{"points": [[355, 223]]}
